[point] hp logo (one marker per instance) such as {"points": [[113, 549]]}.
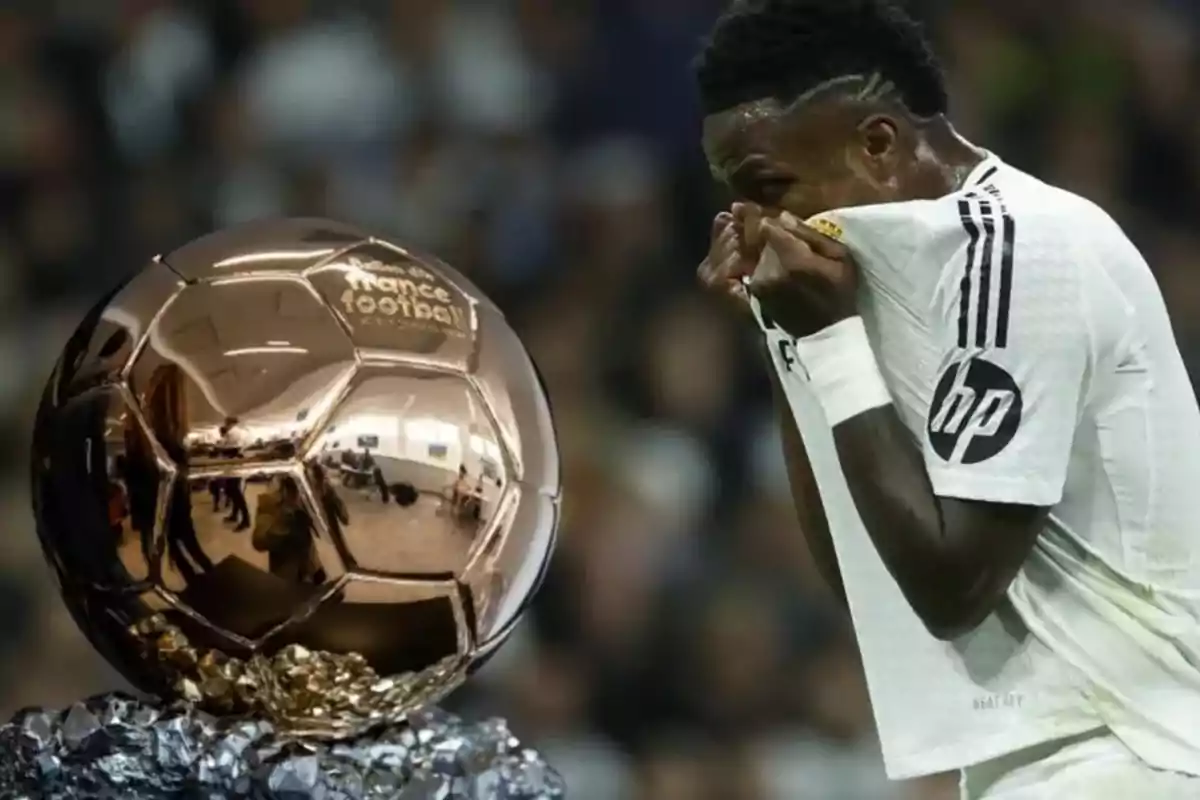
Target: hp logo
{"points": [[975, 412]]}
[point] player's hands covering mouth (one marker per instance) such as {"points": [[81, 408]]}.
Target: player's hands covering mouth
{"points": [[730, 257], [804, 280]]}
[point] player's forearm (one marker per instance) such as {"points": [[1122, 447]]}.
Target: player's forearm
{"points": [[886, 475], [806, 498]]}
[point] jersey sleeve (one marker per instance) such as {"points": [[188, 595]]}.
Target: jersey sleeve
{"points": [[1017, 343]]}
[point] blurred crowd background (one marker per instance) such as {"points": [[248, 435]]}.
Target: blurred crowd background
{"points": [[683, 647]]}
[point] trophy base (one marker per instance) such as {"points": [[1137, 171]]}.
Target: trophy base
{"points": [[118, 746]]}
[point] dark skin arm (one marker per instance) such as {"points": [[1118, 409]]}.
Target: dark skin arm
{"points": [[953, 559], [728, 247]]}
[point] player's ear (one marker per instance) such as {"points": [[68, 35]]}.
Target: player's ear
{"points": [[878, 134]]}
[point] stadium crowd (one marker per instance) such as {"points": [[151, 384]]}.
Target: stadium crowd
{"points": [[683, 646]]}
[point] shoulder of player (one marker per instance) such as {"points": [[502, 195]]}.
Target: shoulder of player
{"points": [[1043, 218], [1029, 262], [917, 224], [1012, 215], [1015, 221]]}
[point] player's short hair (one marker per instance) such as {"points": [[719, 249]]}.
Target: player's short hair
{"points": [[783, 48]]}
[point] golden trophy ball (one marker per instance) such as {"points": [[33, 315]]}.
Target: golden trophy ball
{"points": [[292, 472]]}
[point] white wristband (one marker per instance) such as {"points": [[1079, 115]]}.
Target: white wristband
{"points": [[842, 370]]}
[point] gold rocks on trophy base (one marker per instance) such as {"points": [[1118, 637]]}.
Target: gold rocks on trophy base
{"points": [[294, 471]]}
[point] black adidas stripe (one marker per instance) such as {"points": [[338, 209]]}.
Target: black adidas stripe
{"points": [[982, 178], [985, 274], [980, 226], [966, 216], [1008, 238]]}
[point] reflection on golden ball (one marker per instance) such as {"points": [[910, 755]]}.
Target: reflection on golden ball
{"points": [[293, 470]]}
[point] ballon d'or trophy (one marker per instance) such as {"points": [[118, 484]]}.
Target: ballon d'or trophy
{"points": [[295, 483]]}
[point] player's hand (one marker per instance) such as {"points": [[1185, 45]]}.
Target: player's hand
{"points": [[730, 259], [805, 280]]}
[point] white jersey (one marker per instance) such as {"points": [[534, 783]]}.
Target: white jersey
{"points": [[1027, 348]]}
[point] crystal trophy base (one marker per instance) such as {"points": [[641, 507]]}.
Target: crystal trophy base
{"points": [[118, 746]]}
